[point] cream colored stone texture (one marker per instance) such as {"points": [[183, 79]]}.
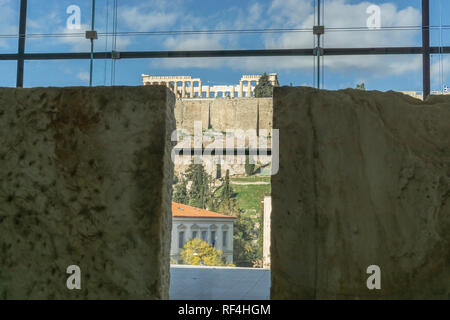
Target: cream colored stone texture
{"points": [[225, 114], [364, 180], [85, 179]]}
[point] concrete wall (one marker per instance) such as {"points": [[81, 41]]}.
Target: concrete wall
{"points": [[364, 180], [85, 177]]}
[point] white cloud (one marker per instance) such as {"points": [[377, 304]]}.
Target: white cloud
{"points": [[8, 25], [340, 14], [175, 15], [291, 13], [83, 76], [299, 14], [198, 42], [137, 18], [440, 72]]}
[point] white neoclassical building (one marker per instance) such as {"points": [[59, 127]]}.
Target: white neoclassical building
{"points": [[189, 223], [188, 87]]}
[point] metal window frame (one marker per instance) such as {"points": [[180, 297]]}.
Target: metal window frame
{"points": [[425, 50]]}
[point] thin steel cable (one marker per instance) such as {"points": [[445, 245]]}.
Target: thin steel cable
{"points": [[323, 45], [314, 46], [441, 61], [225, 31], [106, 42], [114, 45]]}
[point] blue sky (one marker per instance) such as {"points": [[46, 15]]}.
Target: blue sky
{"points": [[378, 72]]}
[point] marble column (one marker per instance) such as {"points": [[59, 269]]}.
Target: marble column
{"points": [[183, 90], [208, 92], [192, 90], [232, 91], [200, 90], [175, 89], [241, 89], [249, 92]]}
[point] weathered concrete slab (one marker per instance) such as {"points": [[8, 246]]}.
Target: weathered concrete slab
{"points": [[364, 180], [85, 179]]}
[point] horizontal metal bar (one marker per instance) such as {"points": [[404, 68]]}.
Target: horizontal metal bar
{"points": [[223, 53], [161, 54], [217, 53], [372, 51], [382, 51], [213, 152]]}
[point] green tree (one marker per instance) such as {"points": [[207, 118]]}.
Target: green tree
{"points": [[245, 250], [180, 193], [264, 89], [224, 198], [198, 252], [226, 191], [199, 192], [361, 86], [249, 167]]}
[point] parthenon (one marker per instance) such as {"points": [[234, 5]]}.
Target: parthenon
{"points": [[188, 87]]}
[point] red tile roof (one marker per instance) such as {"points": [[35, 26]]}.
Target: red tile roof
{"points": [[183, 211]]}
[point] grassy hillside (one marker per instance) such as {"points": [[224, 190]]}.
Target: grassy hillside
{"points": [[249, 197], [251, 179]]}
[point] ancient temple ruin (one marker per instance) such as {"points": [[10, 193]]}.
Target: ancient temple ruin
{"points": [[188, 87]]}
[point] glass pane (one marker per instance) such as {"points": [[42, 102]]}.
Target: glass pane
{"points": [[214, 25], [9, 26], [47, 26], [8, 70], [357, 24], [383, 72], [440, 73], [43, 73]]}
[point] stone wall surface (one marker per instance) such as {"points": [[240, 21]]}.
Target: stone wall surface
{"points": [[217, 116], [224, 114], [364, 180], [85, 179]]}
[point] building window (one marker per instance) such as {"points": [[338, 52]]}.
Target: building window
{"points": [[213, 238], [181, 240], [194, 234], [204, 235], [224, 239]]}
